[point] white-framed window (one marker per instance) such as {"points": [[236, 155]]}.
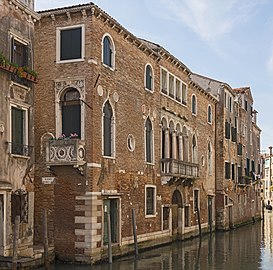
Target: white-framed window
{"points": [[172, 86], [150, 200], [19, 130], [148, 141], [209, 159], [193, 105], [108, 51], [71, 113], [164, 81], [209, 114], [108, 130], [149, 78], [70, 42], [194, 150], [196, 200], [19, 53], [184, 93]]}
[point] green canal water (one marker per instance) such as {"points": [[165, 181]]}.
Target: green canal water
{"points": [[249, 247]]}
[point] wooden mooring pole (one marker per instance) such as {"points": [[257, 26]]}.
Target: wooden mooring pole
{"points": [[109, 237], [46, 261], [199, 222], [15, 243], [135, 233]]}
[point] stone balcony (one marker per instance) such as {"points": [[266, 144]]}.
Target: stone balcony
{"points": [[178, 169], [65, 152]]}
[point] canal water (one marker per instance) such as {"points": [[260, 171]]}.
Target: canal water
{"points": [[249, 247]]}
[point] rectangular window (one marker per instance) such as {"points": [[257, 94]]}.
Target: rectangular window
{"points": [[227, 170], [166, 216], [245, 104], [184, 93], [232, 172], [253, 166], [19, 52], [178, 90], [247, 167], [196, 200], [239, 149], [164, 81], [19, 132], [240, 175], [233, 134], [171, 86], [227, 130], [150, 200], [70, 44]]}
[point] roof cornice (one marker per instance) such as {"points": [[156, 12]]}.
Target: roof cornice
{"points": [[24, 8]]}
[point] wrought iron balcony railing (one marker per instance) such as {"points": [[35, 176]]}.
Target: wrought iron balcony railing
{"points": [[65, 152]]}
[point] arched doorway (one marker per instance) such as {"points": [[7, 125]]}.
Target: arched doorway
{"points": [[177, 213]]}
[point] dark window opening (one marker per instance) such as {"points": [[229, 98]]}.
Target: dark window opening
{"points": [[148, 135], [227, 170], [232, 172], [209, 114], [19, 206], [19, 53], [71, 44], [193, 105], [149, 77], [107, 129], [233, 134], [71, 113], [240, 149], [150, 201], [18, 146], [227, 130], [107, 52]]}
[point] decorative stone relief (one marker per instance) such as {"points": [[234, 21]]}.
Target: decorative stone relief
{"points": [[116, 97], [100, 90], [62, 84], [19, 93]]}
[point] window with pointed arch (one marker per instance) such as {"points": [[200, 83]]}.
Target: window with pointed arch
{"points": [[108, 57], [194, 149], [193, 105], [108, 130], [209, 159], [149, 84], [209, 115], [148, 140], [71, 113]]}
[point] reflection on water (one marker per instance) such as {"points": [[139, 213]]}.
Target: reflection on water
{"points": [[249, 247]]}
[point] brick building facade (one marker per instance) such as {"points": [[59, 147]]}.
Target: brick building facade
{"points": [[17, 20], [237, 154], [119, 125]]}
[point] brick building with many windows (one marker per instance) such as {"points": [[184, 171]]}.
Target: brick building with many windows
{"points": [[119, 127]]}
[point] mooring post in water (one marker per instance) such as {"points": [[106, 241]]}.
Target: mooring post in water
{"points": [[135, 233], [109, 237], [199, 222], [46, 262], [15, 246]]}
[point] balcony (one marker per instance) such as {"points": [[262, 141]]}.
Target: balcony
{"points": [[244, 180], [65, 152], [178, 169]]}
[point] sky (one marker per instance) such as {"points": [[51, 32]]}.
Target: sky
{"points": [[230, 41]]}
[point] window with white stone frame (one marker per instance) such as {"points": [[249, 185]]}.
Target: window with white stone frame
{"points": [[196, 200], [108, 51], [108, 130], [70, 44], [148, 141], [149, 79], [150, 200], [19, 130]]}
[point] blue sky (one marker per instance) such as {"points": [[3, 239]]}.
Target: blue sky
{"points": [[231, 41]]}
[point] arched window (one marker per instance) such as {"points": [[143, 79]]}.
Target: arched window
{"points": [[71, 113], [193, 104], [209, 159], [108, 130], [209, 115], [194, 149], [149, 140], [148, 77], [108, 52]]}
